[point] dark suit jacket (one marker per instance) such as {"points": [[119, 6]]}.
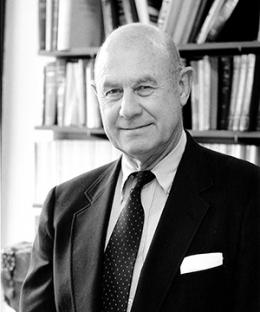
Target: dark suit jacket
{"points": [[213, 206]]}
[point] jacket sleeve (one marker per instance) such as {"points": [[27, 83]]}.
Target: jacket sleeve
{"points": [[37, 292], [246, 295]]}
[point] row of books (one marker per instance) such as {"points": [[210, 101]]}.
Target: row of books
{"points": [[69, 24], [61, 160], [250, 153], [58, 161], [226, 93], [202, 21], [72, 24], [75, 24], [69, 99]]}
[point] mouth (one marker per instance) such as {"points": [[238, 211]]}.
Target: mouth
{"points": [[135, 127]]}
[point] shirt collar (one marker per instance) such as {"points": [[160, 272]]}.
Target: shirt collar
{"points": [[164, 171]]}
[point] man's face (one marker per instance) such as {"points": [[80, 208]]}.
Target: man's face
{"points": [[140, 109]]}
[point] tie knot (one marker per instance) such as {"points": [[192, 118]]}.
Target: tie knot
{"points": [[143, 177]]}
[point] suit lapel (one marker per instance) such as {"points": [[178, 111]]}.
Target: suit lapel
{"points": [[88, 237], [181, 218]]}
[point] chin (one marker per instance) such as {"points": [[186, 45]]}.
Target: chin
{"points": [[140, 153]]}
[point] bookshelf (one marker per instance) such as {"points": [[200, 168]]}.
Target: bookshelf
{"points": [[187, 51], [244, 41], [203, 136]]}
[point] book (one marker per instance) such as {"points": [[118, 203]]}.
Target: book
{"points": [[71, 107], [243, 31], [254, 114], [120, 12], [224, 90], [49, 25], [209, 20], [240, 93], [188, 20], [168, 15], [129, 11], [252, 154], [258, 31], [199, 19], [61, 84], [134, 11], [142, 11], [257, 124], [245, 109], [54, 16], [234, 90], [222, 17], [154, 7], [42, 23], [181, 21], [80, 86], [79, 24], [50, 94], [205, 98], [213, 113], [110, 18], [195, 97]]}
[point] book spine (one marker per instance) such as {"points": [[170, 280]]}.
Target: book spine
{"points": [[257, 128], [50, 94], [225, 12], [107, 11], [213, 92], [42, 23], [195, 97], [55, 13], [244, 118], [142, 11], [61, 85], [240, 92], [200, 17], [49, 25], [234, 90], [224, 87], [213, 13]]}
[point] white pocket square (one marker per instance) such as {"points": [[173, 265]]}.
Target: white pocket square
{"points": [[201, 262]]}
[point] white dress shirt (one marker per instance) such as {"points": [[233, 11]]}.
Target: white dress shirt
{"points": [[153, 198]]}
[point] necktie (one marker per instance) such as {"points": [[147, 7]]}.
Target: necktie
{"points": [[122, 248]]}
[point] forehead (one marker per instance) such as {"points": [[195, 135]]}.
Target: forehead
{"points": [[131, 65]]}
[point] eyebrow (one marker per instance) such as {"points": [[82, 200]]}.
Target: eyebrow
{"points": [[145, 79]]}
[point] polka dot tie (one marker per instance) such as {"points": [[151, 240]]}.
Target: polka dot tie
{"points": [[122, 248]]}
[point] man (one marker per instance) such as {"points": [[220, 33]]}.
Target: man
{"points": [[195, 243]]}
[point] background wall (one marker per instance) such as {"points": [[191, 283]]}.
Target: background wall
{"points": [[22, 92]]}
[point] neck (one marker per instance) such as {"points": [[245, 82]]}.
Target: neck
{"points": [[148, 163]]}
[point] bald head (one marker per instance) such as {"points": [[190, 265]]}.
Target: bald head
{"points": [[139, 36]]}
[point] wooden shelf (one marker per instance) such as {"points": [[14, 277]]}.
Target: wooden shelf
{"points": [[86, 52], [227, 137], [206, 136], [186, 50], [74, 133], [219, 48]]}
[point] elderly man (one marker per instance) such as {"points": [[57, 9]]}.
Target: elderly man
{"points": [[170, 226]]}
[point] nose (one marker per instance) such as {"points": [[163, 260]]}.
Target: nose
{"points": [[130, 107]]}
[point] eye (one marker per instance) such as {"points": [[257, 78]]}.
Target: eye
{"points": [[113, 93], [144, 90]]}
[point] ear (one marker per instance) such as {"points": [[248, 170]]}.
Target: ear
{"points": [[185, 83], [93, 86]]}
